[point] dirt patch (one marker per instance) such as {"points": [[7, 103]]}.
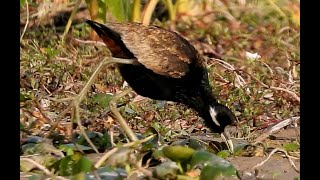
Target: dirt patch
{"points": [[276, 167]]}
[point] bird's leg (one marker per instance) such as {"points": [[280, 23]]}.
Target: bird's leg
{"points": [[107, 61], [121, 120], [78, 98]]}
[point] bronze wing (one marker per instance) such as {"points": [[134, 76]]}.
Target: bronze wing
{"points": [[162, 51]]}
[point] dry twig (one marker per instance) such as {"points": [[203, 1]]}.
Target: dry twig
{"points": [[109, 153], [27, 22], [42, 168], [275, 128], [274, 151]]}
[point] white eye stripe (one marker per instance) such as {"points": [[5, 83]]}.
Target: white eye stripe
{"points": [[213, 115]]}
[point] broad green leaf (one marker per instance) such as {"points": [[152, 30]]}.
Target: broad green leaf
{"points": [[201, 157], [198, 145], [72, 165], [214, 165], [178, 153], [238, 148], [84, 164], [214, 171]]}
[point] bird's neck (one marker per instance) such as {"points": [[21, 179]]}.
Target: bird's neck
{"points": [[201, 103]]}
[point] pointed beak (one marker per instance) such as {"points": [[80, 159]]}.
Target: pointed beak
{"points": [[226, 138]]}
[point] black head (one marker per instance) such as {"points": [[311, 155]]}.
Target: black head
{"points": [[218, 117]]}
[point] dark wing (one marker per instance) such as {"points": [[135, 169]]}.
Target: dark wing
{"points": [[162, 51]]}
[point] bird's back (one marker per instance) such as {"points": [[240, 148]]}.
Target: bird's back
{"points": [[162, 51]]}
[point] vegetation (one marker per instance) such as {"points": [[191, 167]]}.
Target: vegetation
{"points": [[253, 50]]}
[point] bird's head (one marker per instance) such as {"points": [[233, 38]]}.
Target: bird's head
{"points": [[217, 118], [220, 116]]}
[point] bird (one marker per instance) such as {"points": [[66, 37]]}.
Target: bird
{"points": [[168, 68]]}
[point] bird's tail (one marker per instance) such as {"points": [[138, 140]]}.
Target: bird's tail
{"points": [[102, 30], [112, 39]]}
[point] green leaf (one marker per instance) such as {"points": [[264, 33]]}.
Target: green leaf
{"points": [[202, 157], [291, 147], [51, 52], [84, 164], [198, 145], [223, 153], [214, 166], [102, 99], [67, 149], [238, 148], [178, 153], [213, 171], [21, 127], [22, 98], [71, 165]]}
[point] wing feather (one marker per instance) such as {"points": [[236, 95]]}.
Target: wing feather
{"points": [[162, 51]]}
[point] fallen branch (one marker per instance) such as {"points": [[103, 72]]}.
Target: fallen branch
{"points": [[42, 168], [274, 129], [274, 151]]}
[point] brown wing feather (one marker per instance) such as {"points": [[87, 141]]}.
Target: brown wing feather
{"points": [[159, 50]]}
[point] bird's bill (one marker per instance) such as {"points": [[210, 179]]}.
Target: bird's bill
{"points": [[226, 138]]}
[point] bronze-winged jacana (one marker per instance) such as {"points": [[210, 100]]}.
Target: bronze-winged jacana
{"points": [[167, 67]]}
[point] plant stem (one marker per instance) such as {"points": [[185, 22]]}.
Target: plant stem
{"points": [[148, 10], [136, 11]]}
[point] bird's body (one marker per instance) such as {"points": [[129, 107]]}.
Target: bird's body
{"points": [[168, 68]]}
